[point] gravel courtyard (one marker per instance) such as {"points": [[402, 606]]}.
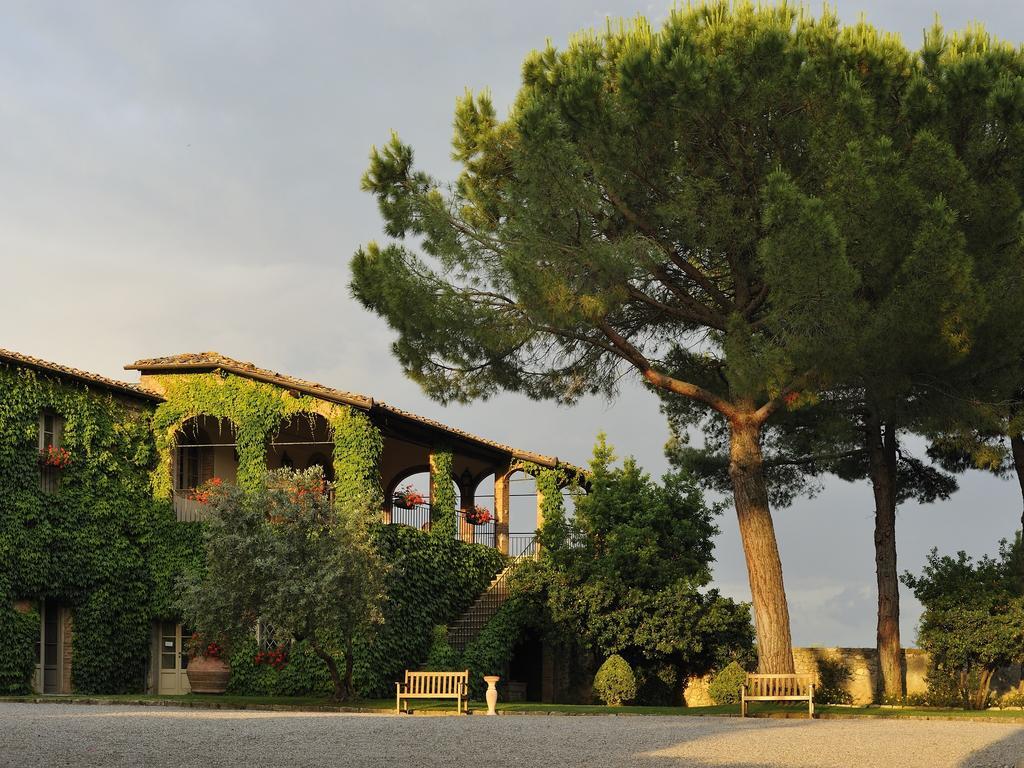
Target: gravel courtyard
{"points": [[82, 735]]}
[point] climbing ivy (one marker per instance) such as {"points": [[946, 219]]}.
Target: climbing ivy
{"points": [[432, 581], [443, 523], [107, 544], [256, 410], [85, 545]]}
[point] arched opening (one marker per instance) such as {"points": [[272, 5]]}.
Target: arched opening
{"points": [[407, 498], [522, 512], [478, 523], [302, 440], [204, 450]]}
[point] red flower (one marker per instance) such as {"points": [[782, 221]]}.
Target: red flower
{"points": [[478, 515], [55, 456]]}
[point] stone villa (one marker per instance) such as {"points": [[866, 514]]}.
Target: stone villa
{"points": [[189, 404]]}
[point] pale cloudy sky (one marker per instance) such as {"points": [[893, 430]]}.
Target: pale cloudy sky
{"points": [[185, 176]]}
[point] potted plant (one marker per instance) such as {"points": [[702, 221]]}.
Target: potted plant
{"points": [[203, 493], [477, 515], [407, 497], [55, 456], [208, 669]]}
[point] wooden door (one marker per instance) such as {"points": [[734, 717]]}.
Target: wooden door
{"points": [[173, 659]]}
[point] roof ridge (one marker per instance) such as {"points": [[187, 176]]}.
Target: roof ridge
{"points": [[19, 358], [212, 359]]}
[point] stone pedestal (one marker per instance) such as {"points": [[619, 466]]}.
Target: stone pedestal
{"points": [[492, 693]]}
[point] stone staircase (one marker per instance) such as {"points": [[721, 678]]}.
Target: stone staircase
{"points": [[465, 629]]}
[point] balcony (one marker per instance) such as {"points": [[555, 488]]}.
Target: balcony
{"points": [[188, 509]]}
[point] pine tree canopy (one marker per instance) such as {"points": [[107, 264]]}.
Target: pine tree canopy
{"points": [[740, 205]]}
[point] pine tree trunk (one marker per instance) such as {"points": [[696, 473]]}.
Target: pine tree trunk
{"points": [[1017, 446], [764, 566], [882, 463]]}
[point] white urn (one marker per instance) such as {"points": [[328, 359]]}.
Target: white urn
{"points": [[492, 693]]}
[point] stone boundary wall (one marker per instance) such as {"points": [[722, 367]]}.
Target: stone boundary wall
{"points": [[863, 666]]}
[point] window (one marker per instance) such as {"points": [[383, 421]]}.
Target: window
{"points": [[195, 466], [51, 429], [266, 636]]}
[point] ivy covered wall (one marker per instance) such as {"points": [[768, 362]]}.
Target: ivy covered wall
{"points": [[257, 410], [107, 545], [86, 545]]}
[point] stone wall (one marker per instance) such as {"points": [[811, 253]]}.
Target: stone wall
{"points": [[863, 666]]}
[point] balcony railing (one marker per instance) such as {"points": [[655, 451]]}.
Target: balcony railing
{"points": [[186, 508], [418, 517]]}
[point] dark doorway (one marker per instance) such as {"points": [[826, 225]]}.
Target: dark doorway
{"points": [[526, 668], [51, 648]]}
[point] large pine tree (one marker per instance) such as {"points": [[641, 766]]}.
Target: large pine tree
{"points": [[671, 201]]}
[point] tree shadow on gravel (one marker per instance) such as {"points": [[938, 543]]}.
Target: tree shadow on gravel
{"points": [[1008, 752]]}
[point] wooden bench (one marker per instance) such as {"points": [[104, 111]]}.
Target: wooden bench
{"points": [[434, 685], [778, 688]]}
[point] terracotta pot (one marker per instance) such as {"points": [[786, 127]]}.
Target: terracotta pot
{"points": [[208, 675]]}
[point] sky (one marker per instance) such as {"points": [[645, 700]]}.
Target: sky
{"points": [[182, 177]]}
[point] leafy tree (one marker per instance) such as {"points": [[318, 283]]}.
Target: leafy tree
{"points": [[624, 576], [282, 554], [973, 620], [678, 201]]}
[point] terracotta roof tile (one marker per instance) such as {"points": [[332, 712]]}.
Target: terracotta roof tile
{"points": [[84, 376], [206, 361]]}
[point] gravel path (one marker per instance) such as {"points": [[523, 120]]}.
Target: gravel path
{"points": [[82, 735]]}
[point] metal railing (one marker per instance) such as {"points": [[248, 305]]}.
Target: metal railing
{"points": [[416, 516], [522, 544], [482, 533]]}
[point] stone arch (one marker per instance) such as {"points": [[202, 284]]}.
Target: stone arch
{"points": [[399, 478]]}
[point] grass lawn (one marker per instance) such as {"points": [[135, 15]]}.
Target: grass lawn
{"points": [[316, 703]]}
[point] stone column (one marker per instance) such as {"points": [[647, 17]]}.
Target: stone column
{"points": [[539, 518], [501, 508], [467, 500]]}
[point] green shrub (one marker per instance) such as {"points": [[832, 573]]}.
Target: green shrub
{"points": [[947, 689], [833, 674], [658, 685], [442, 657], [615, 682], [725, 688], [1012, 699], [18, 660]]}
